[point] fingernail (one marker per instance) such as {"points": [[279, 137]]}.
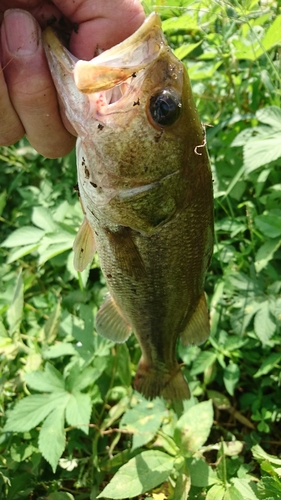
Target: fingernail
{"points": [[21, 32]]}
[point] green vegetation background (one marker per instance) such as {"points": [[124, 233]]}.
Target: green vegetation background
{"points": [[72, 426]]}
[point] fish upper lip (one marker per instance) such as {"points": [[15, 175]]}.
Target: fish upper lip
{"points": [[117, 64]]}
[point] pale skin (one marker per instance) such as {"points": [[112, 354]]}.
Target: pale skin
{"points": [[28, 100]]}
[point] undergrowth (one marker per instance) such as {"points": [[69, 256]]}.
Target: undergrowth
{"points": [[72, 426]]}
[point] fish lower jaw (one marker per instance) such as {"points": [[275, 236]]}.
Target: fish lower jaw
{"points": [[152, 382]]}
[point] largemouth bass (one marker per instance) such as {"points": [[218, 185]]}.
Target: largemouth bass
{"points": [[146, 192]]}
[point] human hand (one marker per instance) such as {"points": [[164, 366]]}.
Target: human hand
{"points": [[28, 99]]}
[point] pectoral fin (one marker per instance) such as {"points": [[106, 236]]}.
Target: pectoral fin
{"points": [[84, 246], [110, 322], [198, 327]]}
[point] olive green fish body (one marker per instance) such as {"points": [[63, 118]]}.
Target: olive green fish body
{"points": [[146, 192]]}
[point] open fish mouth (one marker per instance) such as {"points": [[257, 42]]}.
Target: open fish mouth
{"points": [[117, 73], [121, 62]]}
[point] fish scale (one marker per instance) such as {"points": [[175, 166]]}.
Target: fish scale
{"points": [[146, 192]]}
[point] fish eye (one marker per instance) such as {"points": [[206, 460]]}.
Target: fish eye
{"points": [[165, 107]]}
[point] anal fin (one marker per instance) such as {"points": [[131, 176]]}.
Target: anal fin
{"points": [[84, 246], [110, 322], [197, 329]]}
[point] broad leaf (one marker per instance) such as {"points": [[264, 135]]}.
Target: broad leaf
{"points": [[230, 377], [233, 494], [246, 488], [42, 218], [193, 428], [142, 473], [268, 364], [143, 421], [263, 323], [52, 437], [269, 224], [60, 495], [49, 380], [266, 253], [201, 473], [30, 411], [270, 115], [15, 311], [216, 492], [203, 361], [22, 236], [78, 411]]}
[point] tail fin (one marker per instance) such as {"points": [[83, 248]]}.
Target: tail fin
{"points": [[151, 383]]}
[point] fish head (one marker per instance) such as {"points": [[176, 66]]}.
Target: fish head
{"points": [[138, 127]]}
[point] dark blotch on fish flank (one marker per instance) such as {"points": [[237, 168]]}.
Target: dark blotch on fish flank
{"points": [[86, 170], [136, 103], [100, 126], [93, 184], [109, 276]]}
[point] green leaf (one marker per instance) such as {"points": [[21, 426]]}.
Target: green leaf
{"points": [[263, 324], [271, 115], [259, 454], [269, 487], [269, 224], [20, 453], [261, 150], [183, 484], [79, 380], [266, 252], [268, 364], [15, 311], [49, 380], [143, 421], [184, 22], [78, 411], [243, 486], [59, 495], [54, 250], [123, 364], [42, 218], [52, 437], [231, 376], [19, 252], [183, 51], [233, 494], [216, 492], [3, 201], [273, 34], [193, 428], [220, 400], [59, 349], [142, 473], [51, 326], [203, 361], [201, 473], [30, 411], [23, 235]]}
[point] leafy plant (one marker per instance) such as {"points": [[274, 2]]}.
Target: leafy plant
{"points": [[72, 426]]}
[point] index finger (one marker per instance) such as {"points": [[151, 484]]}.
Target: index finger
{"points": [[101, 23]]}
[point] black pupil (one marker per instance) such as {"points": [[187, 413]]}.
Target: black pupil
{"points": [[165, 107]]}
